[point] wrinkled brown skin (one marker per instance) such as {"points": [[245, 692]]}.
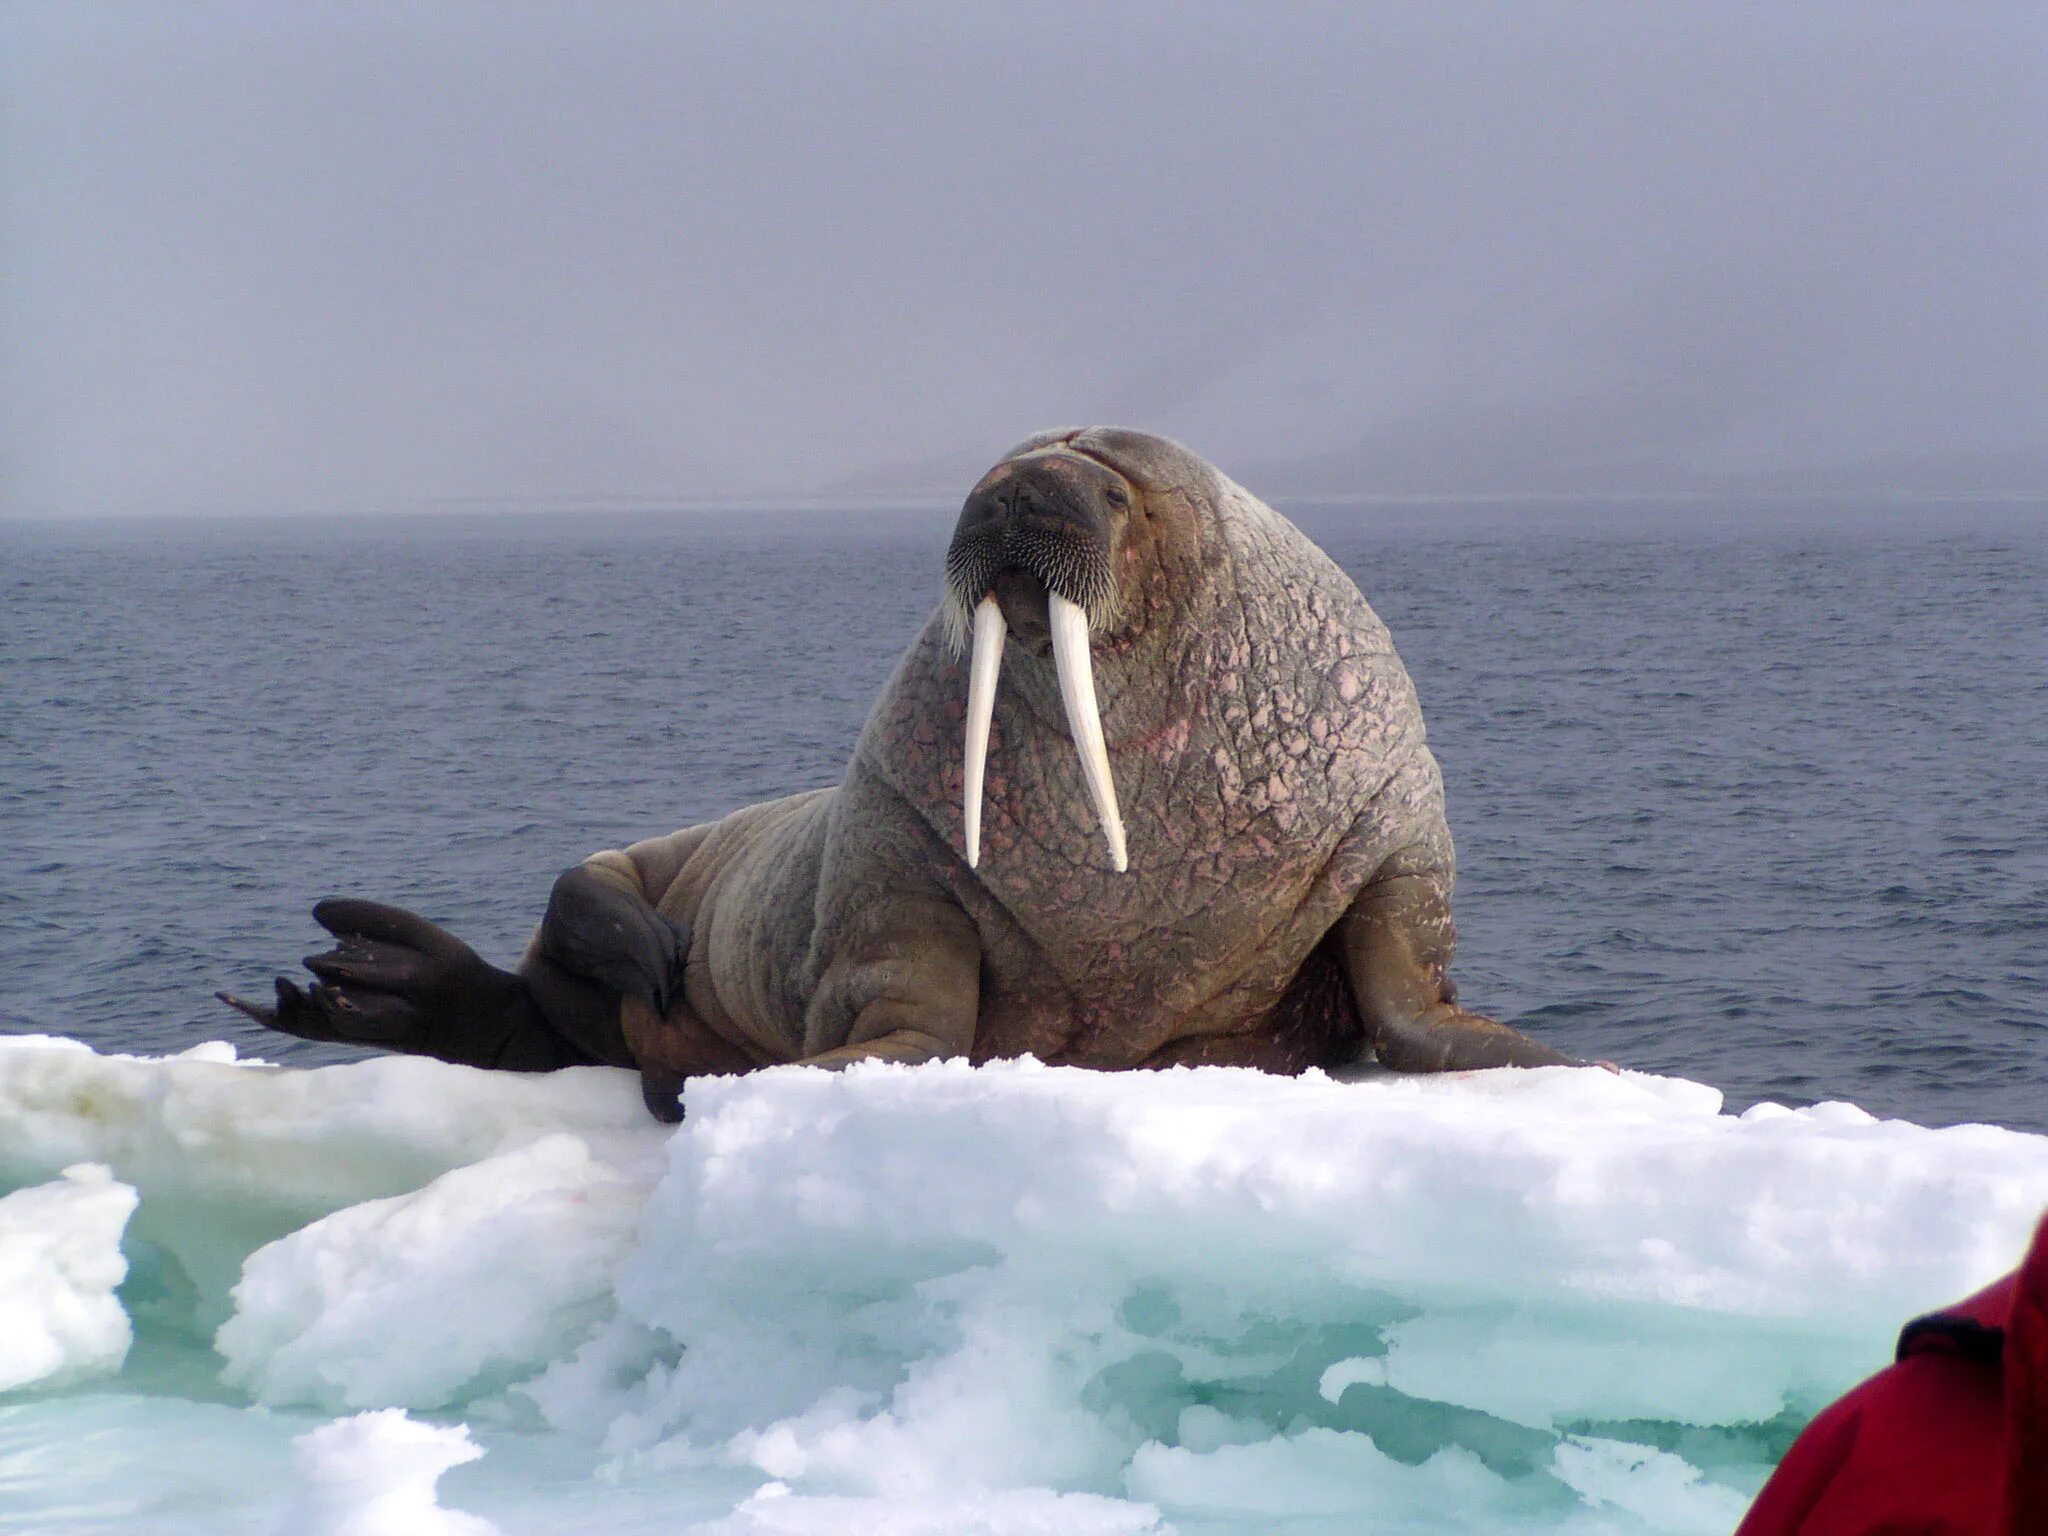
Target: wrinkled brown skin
{"points": [[1287, 903]]}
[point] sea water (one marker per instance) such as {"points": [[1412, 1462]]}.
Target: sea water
{"points": [[1751, 795], [1749, 803]]}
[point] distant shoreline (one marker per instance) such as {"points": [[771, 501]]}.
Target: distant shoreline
{"points": [[1877, 506]]}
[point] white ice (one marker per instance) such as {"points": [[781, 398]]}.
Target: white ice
{"points": [[374, 1475], [60, 1259], [1009, 1299]]}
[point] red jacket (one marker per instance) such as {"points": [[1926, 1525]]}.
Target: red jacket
{"points": [[1952, 1440]]}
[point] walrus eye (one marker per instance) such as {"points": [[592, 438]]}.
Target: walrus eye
{"points": [[1118, 496]]}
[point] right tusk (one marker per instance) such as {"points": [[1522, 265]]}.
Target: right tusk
{"points": [[1077, 691], [989, 630]]}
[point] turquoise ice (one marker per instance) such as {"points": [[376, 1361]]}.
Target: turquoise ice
{"points": [[1009, 1299]]}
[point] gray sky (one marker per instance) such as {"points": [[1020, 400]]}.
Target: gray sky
{"points": [[298, 258]]}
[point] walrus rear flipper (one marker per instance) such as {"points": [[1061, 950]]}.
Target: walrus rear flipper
{"points": [[400, 983], [1396, 941]]}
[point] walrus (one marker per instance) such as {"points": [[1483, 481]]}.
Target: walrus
{"points": [[1150, 788]]}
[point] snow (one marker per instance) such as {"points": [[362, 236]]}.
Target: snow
{"points": [[1005, 1299]]}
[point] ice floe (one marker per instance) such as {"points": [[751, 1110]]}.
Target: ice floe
{"points": [[60, 1259], [1005, 1299], [374, 1475]]}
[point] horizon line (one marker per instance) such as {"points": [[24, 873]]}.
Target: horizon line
{"points": [[526, 504]]}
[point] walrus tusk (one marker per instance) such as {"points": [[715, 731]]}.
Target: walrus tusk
{"points": [[981, 706], [1077, 691]]}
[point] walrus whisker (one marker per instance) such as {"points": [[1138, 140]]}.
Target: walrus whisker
{"points": [[1077, 692], [989, 630]]}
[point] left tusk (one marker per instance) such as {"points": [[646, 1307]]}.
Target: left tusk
{"points": [[1077, 692], [981, 707]]}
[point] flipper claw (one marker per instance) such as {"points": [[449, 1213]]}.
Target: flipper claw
{"points": [[396, 981]]}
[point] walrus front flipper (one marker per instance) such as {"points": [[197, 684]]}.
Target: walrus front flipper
{"points": [[595, 929], [398, 982]]}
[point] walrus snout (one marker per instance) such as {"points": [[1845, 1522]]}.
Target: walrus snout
{"points": [[1051, 515], [1034, 550]]}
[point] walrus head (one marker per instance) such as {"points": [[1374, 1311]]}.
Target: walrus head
{"points": [[1043, 550]]}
